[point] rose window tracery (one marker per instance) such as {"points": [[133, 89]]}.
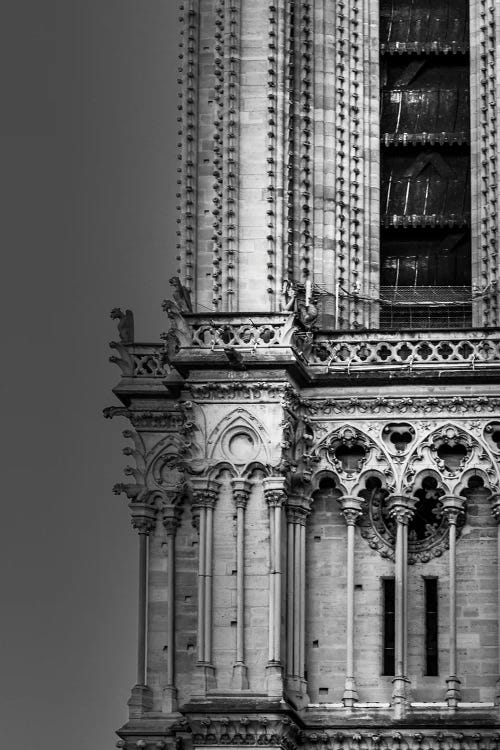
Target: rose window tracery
{"points": [[427, 530]]}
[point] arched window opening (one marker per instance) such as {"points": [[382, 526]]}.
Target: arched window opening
{"points": [[350, 457], [452, 456], [428, 510]]}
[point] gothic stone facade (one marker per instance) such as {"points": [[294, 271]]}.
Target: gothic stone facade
{"points": [[314, 471]]}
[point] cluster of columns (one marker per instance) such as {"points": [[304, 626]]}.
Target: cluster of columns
{"points": [[297, 512], [297, 508], [205, 494], [144, 519]]}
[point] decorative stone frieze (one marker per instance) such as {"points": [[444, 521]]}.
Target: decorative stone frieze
{"points": [[237, 729]]}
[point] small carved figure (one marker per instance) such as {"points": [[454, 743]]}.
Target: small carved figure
{"points": [[288, 296], [178, 324], [171, 346], [125, 324], [182, 297], [308, 314]]}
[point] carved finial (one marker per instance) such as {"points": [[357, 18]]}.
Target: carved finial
{"points": [[125, 324]]}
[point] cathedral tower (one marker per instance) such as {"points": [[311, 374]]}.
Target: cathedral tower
{"points": [[316, 438]]}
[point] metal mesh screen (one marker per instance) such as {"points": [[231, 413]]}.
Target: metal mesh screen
{"points": [[425, 307]]}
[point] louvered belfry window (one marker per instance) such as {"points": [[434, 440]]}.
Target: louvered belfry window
{"points": [[425, 262]]}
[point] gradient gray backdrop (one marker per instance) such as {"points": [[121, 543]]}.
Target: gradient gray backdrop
{"points": [[88, 171]]}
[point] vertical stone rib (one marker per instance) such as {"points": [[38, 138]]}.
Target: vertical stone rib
{"points": [[272, 155], [207, 154], [219, 156], [290, 134], [369, 175], [230, 166], [305, 138], [280, 152], [187, 120], [342, 162]]}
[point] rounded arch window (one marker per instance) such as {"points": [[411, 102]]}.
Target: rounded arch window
{"points": [[427, 531]]}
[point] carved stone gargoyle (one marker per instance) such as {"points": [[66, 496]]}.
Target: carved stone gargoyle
{"points": [[125, 324], [179, 333]]}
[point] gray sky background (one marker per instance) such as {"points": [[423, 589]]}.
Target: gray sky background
{"points": [[88, 171]]}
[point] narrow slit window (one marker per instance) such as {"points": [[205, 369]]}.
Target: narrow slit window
{"points": [[388, 589], [431, 627]]}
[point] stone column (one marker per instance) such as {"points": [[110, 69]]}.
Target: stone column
{"points": [[351, 510], [144, 521], [401, 509], [205, 493], [171, 520], [297, 512], [275, 497], [241, 493], [495, 511], [453, 508]]}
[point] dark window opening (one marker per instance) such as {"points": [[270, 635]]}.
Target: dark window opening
{"points": [[431, 627], [351, 457], [389, 627], [428, 511], [452, 456], [425, 245]]}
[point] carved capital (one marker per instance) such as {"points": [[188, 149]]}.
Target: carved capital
{"points": [[297, 515], [401, 508], [171, 518], [274, 491], [241, 492], [453, 508], [205, 492], [351, 509], [143, 517]]}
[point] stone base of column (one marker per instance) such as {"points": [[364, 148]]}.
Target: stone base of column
{"points": [[350, 696], [204, 678], [401, 696], [453, 692], [140, 701], [274, 679], [296, 691], [239, 679], [169, 704]]}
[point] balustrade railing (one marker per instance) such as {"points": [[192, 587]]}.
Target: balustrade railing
{"points": [[472, 349], [343, 351], [252, 330]]}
